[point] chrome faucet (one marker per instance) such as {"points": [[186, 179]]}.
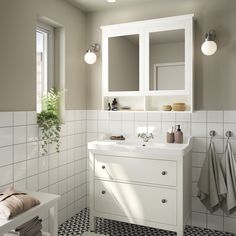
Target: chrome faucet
{"points": [[145, 136]]}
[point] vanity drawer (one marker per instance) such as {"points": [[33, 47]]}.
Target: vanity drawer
{"points": [[136, 170], [136, 201]]}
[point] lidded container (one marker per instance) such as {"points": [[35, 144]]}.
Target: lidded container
{"points": [[170, 136]]}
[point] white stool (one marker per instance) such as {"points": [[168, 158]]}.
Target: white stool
{"points": [[91, 234], [47, 201]]}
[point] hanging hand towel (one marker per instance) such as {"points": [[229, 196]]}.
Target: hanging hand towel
{"points": [[211, 184], [229, 172]]}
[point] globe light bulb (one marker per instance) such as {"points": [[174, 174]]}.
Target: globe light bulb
{"points": [[209, 47], [90, 57]]}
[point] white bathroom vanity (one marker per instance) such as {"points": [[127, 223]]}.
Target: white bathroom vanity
{"points": [[141, 183]]}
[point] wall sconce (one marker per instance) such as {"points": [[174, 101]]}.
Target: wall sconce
{"points": [[209, 47], [90, 56]]}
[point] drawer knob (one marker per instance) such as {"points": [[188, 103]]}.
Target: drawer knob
{"points": [[164, 172], [103, 167], [103, 191], [163, 200]]}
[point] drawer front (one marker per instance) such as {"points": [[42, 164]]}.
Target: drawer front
{"points": [[136, 201], [136, 170]]}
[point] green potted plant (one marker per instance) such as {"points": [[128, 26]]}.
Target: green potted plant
{"points": [[49, 121]]}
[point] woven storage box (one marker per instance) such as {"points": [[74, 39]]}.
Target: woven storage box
{"points": [[166, 107], [179, 107]]}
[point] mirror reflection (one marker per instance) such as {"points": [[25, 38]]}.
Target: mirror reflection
{"points": [[167, 56], [123, 63]]}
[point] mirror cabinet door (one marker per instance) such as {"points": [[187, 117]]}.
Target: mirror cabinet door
{"points": [[123, 63], [167, 60]]}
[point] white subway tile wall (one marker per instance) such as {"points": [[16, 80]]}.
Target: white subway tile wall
{"points": [[64, 173], [198, 124]]}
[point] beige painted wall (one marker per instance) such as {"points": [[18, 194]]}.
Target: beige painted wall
{"points": [[17, 52], [215, 76], [123, 64]]}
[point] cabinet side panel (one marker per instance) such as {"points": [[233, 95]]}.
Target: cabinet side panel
{"points": [[187, 186]]}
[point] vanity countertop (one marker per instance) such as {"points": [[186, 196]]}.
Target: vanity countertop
{"points": [[138, 147]]}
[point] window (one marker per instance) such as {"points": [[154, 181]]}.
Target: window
{"points": [[44, 61]]}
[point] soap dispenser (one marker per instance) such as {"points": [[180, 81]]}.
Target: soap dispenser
{"points": [[178, 135], [114, 105]]}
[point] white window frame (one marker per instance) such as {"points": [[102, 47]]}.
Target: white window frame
{"points": [[49, 59]]}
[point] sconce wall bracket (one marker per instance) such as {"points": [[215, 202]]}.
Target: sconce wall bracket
{"points": [[210, 36], [90, 56], [95, 47]]}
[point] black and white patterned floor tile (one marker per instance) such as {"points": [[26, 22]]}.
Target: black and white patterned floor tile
{"points": [[80, 223]]}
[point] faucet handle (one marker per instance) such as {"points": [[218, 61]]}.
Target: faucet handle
{"points": [[140, 135]]}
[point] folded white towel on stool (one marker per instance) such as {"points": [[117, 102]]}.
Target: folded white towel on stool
{"points": [[14, 202]]}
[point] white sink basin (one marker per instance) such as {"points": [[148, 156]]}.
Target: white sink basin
{"points": [[138, 146]]}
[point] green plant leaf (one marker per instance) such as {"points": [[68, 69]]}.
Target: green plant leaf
{"points": [[48, 120]]}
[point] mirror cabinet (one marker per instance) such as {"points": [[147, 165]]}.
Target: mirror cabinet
{"points": [[148, 64]]}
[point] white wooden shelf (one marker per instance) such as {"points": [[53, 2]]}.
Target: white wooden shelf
{"points": [[47, 201]]}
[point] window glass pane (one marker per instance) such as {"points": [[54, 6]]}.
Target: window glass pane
{"points": [[42, 65], [39, 67], [44, 61], [39, 41]]}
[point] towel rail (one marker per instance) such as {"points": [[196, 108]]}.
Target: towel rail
{"points": [[212, 133], [228, 134]]}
